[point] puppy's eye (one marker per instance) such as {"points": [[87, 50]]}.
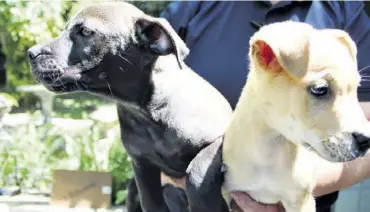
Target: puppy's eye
{"points": [[86, 32], [319, 90]]}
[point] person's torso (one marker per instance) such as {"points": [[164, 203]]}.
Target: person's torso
{"points": [[218, 37]]}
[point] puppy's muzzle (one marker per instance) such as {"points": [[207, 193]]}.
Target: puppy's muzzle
{"points": [[49, 70], [346, 146]]}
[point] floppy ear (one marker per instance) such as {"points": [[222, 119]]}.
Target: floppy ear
{"points": [[282, 47], [157, 35], [345, 39]]}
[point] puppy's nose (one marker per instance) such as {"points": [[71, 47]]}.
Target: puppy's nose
{"points": [[362, 140], [38, 50]]}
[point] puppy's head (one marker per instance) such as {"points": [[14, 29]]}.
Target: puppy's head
{"points": [[307, 80], [107, 48]]}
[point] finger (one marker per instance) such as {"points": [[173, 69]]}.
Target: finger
{"points": [[247, 204], [244, 201]]}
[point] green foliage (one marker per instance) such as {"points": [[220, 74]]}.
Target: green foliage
{"points": [[77, 105], [24, 160], [28, 161], [121, 169], [153, 8], [12, 101], [22, 24]]}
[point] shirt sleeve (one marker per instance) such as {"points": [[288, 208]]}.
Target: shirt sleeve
{"points": [[180, 13], [357, 24]]}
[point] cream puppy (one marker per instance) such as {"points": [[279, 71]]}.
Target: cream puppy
{"points": [[300, 99]]}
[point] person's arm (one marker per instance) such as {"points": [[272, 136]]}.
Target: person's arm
{"points": [[366, 108], [332, 177]]}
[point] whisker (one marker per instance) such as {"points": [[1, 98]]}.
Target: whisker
{"points": [[58, 79], [61, 81], [125, 59], [353, 155], [312, 146], [363, 68], [110, 90], [75, 79], [38, 75], [364, 75], [340, 153], [54, 79]]}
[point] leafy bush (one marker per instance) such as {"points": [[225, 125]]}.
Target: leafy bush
{"points": [[120, 167], [27, 161], [153, 8]]}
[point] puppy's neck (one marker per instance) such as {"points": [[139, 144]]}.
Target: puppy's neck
{"points": [[249, 133]]}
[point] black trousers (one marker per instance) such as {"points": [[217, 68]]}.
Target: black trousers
{"points": [[324, 203]]}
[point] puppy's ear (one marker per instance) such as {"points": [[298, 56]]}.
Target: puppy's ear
{"points": [[157, 35], [345, 39], [264, 56], [282, 46]]}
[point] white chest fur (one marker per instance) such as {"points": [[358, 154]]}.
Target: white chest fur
{"points": [[270, 175], [265, 164]]}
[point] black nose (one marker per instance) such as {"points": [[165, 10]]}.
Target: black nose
{"points": [[362, 140], [38, 50]]}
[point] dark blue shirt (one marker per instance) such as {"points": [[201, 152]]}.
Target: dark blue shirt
{"points": [[217, 34]]}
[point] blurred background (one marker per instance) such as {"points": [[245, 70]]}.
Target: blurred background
{"points": [[39, 130]]}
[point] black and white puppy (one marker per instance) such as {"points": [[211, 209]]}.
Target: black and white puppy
{"points": [[167, 112]]}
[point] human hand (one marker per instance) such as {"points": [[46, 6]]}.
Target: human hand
{"points": [[177, 182], [247, 204]]}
